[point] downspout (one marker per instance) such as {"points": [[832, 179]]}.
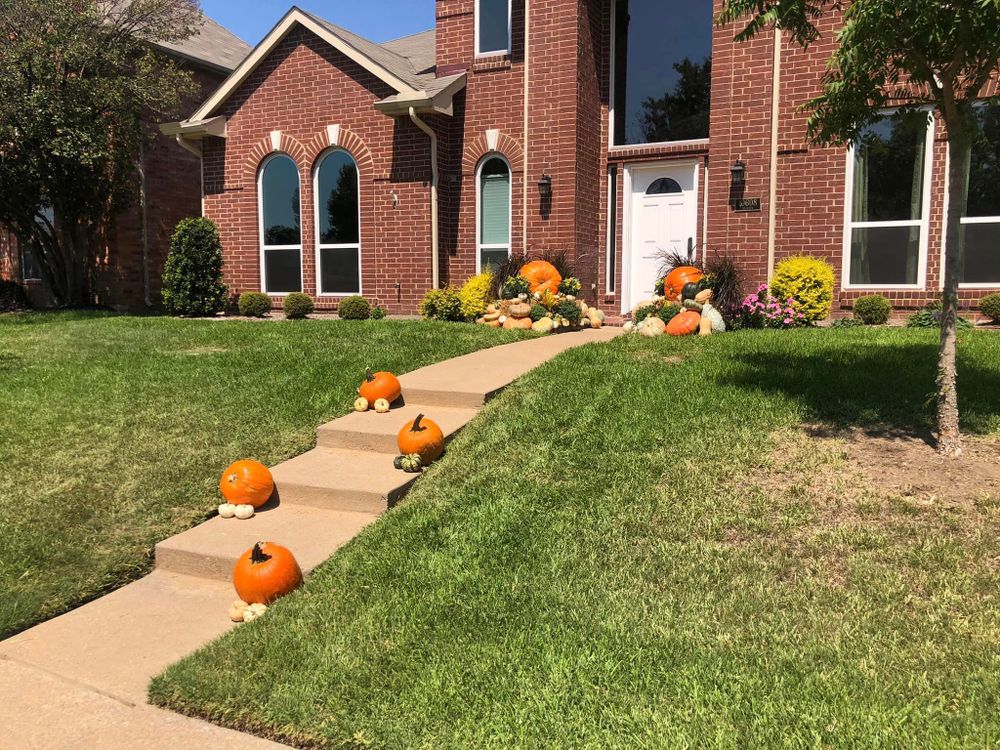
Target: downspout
{"points": [[527, 71], [772, 207], [144, 226], [435, 249]]}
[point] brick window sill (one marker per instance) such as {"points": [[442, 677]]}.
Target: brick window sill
{"points": [[491, 63]]}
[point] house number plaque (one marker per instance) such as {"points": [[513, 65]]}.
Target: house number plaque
{"points": [[746, 205]]}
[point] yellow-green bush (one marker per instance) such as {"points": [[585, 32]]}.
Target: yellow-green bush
{"points": [[474, 295], [808, 282]]}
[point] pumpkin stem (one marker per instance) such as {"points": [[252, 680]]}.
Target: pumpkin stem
{"points": [[368, 375], [258, 556], [416, 424]]}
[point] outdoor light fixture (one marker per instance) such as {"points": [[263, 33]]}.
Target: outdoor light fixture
{"points": [[545, 186], [739, 172]]}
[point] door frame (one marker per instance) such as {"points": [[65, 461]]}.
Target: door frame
{"points": [[628, 209]]}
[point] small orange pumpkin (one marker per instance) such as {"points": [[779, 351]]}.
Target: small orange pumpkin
{"points": [[266, 572], [247, 483], [380, 385], [542, 276], [673, 285], [684, 323], [422, 436]]}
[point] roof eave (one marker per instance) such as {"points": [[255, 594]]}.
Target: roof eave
{"points": [[441, 102], [195, 130]]}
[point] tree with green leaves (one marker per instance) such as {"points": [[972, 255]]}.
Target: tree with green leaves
{"points": [[79, 83], [907, 54], [681, 114]]}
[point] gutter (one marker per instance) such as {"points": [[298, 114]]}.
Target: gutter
{"points": [[527, 79], [435, 246], [144, 225], [772, 207]]}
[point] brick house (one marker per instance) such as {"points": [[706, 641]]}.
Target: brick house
{"points": [[127, 267], [612, 130]]}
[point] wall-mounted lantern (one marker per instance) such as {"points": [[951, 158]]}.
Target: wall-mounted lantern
{"points": [[545, 186], [739, 173]]}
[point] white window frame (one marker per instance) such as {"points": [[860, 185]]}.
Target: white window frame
{"points": [[924, 221], [479, 211], [320, 247], [260, 227], [966, 220], [612, 146], [611, 246], [510, 22]]}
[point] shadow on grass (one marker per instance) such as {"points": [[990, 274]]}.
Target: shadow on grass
{"points": [[881, 388]]}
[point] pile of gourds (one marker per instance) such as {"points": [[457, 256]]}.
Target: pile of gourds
{"points": [[684, 285]]}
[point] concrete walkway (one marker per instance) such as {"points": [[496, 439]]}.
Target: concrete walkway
{"points": [[80, 680]]}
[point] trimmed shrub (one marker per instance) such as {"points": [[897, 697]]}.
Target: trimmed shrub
{"points": [[442, 304], [568, 310], [872, 310], [12, 296], [669, 312], [474, 295], [354, 308], [378, 312], [538, 312], [192, 275], [808, 282], [254, 304], [990, 307], [298, 305]]}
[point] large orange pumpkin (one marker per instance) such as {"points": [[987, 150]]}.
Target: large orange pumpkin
{"points": [[380, 385], [684, 323], [422, 436], [266, 572], [247, 483], [542, 276], [673, 285]]}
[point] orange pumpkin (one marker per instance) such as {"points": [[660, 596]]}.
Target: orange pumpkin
{"points": [[673, 285], [247, 483], [542, 276], [422, 436], [266, 572], [380, 385], [684, 323]]}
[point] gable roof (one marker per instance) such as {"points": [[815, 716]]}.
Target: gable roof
{"points": [[213, 45], [406, 65]]}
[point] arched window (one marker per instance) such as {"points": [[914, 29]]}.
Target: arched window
{"points": [[664, 186], [280, 226], [338, 225], [494, 212]]}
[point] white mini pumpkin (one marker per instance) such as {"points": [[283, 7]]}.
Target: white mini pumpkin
{"points": [[361, 404], [382, 406], [227, 510], [253, 612], [244, 512], [237, 610]]}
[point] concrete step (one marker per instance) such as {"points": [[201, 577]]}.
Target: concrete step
{"points": [[338, 479], [117, 643], [368, 431], [211, 549]]}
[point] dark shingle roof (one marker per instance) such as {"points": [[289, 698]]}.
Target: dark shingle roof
{"points": [[213, 45]]}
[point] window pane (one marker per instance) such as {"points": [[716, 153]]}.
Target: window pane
{"points": [[493, 25], [885, 255], [337, 196], [339, 271], [984, 173], [980, 254], [282, 271], [663, 186], [889, 170], [492, 258], [662, 69], [280, 186], [494, 203]]}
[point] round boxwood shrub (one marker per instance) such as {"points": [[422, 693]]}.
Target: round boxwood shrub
{"points": [[808, 282], [298, 305], [442, 304], [378, 312], [254, 304], [568, 310], [990, 307], [872, 310], [354, 308], [192, 275], [538, 312]]}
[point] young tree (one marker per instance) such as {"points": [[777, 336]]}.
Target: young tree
{"points": [[901, 52], [78, 79]]}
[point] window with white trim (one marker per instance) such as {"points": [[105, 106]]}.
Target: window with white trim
{"points": [[280, 226], [980, 252], [494, 212], [492, 27], [888, 202], [31, 269], [338, 225]]}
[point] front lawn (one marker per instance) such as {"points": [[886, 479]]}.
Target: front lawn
{"points": [[636, 547], [114, 430]]}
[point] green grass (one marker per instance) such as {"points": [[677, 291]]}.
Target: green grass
{"points": [[600, 562], [114, 430]]}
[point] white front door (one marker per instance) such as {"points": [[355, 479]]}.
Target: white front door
{"points": [[664, 219]]}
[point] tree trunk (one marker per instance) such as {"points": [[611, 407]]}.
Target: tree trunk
{"points": [[949, 441]]}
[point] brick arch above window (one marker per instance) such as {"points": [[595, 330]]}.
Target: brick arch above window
{"points": [[265, 147], [478, 149], [348, 141]]}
